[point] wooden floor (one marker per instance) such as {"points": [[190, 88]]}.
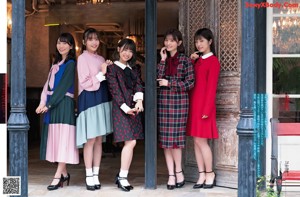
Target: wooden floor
{"points": [[40, 174]]}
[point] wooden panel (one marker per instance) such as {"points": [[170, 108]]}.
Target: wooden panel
{"points": [[220, 16]]}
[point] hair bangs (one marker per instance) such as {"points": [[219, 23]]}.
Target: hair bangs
{"points": [[92, 35], [64, 38]]}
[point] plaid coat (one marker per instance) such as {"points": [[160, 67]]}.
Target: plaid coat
{"points": [[126, 127], [173, 103]]}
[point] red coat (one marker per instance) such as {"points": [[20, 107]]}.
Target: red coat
{"points": [[202, 99]]}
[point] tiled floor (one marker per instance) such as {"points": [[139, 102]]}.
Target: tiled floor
{"points": [[40, 174]]}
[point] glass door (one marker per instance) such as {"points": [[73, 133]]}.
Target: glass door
{"points": [[283, 80]]}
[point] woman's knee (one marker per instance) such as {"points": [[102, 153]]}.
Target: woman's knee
{"points": [[130, 143]]}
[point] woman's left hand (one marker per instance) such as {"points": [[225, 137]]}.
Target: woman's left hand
{"points": [[44, 109], [139, 106], [204, 116], [163, 82], [108, 62]]}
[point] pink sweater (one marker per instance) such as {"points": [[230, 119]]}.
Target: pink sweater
{"points": [[88, 66]]}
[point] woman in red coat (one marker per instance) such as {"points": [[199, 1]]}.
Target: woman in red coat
{"points": [[202, 111]]}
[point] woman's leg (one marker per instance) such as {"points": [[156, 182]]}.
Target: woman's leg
{"points": [[126, 158], [88, 160], [207, 158], [199, 159], [97, 154], [170, 165], [177, 156], [61, 169]]}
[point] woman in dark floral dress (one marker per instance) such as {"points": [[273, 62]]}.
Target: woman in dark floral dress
{"points": [[125, 85]]}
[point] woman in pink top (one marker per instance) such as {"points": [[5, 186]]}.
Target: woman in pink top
{"points": [[94, 106]]}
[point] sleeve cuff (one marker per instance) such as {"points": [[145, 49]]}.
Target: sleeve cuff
{"points": [[100, 77], [125, 108], [137, 96]]}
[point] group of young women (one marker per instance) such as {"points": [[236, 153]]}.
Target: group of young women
{"points": [[186, 106]]}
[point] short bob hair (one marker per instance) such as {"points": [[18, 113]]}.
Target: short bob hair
{"points": [[208, 35]]}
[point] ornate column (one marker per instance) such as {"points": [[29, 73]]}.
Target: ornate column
{"points": [[245, 127], [18, 124], [150, 96]]}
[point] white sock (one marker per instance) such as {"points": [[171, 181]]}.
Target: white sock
{"points": [[89, 177], [95, 174], [123, 173]]}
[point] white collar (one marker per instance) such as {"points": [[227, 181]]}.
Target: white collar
{"points": [[207, 55], [121, 65]]}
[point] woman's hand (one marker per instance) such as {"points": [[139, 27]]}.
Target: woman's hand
{"points": [[44, 109], [194, 55], [139, 106], [39, 109], [204, 116], [163, 54], [163, 82], [104, 66], [132, 112]]}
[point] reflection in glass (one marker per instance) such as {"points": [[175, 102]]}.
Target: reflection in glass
{"points": [[286, 35], [286, 75], [286, 109]]}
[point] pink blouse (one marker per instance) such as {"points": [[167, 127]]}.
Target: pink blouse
{"points": [[88, 66]]}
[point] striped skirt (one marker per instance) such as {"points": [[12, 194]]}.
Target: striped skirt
{"points": [[172, 117]]}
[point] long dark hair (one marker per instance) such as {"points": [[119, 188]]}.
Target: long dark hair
{"points": [[126, 44], [176, 35], [89, 34], [67, 38], [208, 35]]}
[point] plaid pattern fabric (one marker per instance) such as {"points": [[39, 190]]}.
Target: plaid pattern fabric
{"points": [[173, 103]]}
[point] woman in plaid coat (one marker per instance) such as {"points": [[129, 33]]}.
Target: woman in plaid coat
{"points": [[175, 77]]}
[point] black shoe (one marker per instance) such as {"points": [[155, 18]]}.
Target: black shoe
{"points": [[198, 186], [98, 186], [130, 187], [89, 187], [209, 186], [181, 184], [124, 188], [59, 184], [66, 178], [171, 187]]}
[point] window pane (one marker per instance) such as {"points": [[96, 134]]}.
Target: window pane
{"points": [[286, 109], [286, 35], [286, 75]]}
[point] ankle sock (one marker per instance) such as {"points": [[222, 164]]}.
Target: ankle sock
{"points": [[89, 177], [124, 173], [95, 175]]}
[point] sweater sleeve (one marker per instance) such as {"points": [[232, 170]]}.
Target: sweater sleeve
{"points": [[85, 79], [44, 92], [65, 83], [139, 87], [212, 84], [161, 69], [114, 86], [187, 83]]}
